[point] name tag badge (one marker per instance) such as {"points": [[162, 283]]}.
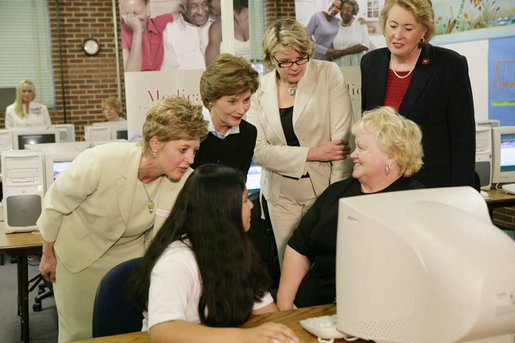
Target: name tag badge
{"points": [[35, 110], [162, 213]]}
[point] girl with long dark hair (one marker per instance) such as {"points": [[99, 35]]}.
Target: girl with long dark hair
{"points": [[202, 269]]}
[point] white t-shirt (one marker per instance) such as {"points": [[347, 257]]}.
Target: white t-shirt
{"points": [[347, 37], [175, 288], [37, 116]]}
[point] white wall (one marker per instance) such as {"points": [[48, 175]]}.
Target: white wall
{"points": [[476, 53]]}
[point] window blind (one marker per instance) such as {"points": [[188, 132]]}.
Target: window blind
{"points": [[25, 38]]}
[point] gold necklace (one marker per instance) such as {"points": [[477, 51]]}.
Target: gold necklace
{"points": [[151, 198], [291, 90]]}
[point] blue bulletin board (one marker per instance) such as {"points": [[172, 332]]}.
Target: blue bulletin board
{"points": [[501, 80]]}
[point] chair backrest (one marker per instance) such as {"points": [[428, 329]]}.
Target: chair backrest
{"points": [[113, 313]]}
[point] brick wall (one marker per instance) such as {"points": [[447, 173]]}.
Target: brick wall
{"points": [[278, 9], [87, 79], [504, 217]]}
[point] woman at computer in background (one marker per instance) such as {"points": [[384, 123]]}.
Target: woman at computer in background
{"points": [[388, 151], [302, 112], [351, 42], [112, 109], [202, 269], [429, 85], [24, 111], [107, 205], [226, 87]]}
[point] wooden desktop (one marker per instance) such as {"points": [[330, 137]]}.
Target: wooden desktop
{"points": [[288, 318]]}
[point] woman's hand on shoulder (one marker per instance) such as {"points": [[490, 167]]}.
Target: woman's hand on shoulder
{"points": [[269, 333], [331, 151]]}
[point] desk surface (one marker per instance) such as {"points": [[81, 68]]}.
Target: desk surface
{"points": [[289, 318], [19, 240], [499, 196]]}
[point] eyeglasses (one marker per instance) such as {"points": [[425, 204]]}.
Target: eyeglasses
{"points": [[288, 64]]}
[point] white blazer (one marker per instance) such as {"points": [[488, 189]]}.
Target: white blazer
{"points": [[322, 112], [37, 116]]}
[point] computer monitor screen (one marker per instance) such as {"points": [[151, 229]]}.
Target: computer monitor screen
{"points": [[121, 134], [24, 139], [253, 178], [423, 266], [503, 154], [59, 167], [56, 163]]}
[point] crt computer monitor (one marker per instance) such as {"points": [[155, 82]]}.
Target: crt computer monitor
{"points": [[503, 154], [423, 266], [34, 135], [253, 178], [56, 163]]}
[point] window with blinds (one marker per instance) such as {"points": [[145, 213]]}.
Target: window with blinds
{"points": [[256, 33], [25, 38]]}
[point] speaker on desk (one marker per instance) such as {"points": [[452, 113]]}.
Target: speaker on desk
{"points": [[483, 165], [23, 189]]}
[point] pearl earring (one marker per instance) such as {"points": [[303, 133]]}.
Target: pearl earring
{"points": [[154, 153]]}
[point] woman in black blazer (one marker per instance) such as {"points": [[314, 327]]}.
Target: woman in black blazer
{"points": [[427, 84]]}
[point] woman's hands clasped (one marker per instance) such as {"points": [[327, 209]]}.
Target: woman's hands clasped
{"points": [[331, 151]]}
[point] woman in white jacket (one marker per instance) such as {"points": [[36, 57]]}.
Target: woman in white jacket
{"points": [[303, 113], [24, 111]]}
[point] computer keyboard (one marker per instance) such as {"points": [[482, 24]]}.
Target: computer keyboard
{"points": [[509, 188], [323, 327]]}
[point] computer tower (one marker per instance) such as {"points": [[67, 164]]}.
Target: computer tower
{"points": [[483, 165], [23, 182]]}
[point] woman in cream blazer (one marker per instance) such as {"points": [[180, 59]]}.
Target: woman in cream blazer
{"points": [[104, 208], [301, 154]]}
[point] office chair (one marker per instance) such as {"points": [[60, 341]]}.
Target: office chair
{"points": [[262, 237], [45, 290], [113, 313]]}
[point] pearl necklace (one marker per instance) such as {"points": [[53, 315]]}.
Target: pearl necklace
{"points": [[410, 71], [291, 90]]}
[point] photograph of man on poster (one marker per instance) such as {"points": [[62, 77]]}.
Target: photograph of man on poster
{"points": [[185, 39]]}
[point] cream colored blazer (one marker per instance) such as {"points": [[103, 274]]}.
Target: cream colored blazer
{"points": [[322, 112], [87, 208]]}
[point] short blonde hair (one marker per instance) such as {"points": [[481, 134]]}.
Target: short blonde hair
{"points": [[171, 119], [285, 35], [18, 102], [421, 9], [114, 103], [398, 137], [227, 75]]}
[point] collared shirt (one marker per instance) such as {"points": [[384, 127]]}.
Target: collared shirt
{"points": [[206, 113], [185, 45]]}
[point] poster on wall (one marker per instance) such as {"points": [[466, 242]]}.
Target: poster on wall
{"points": [[454, 16], [166, 45], [143, 89], [334, 27], [501, 80]]}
